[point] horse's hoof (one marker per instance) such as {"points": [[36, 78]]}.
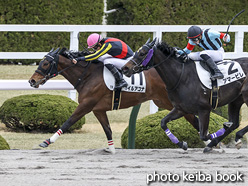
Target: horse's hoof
{"points": [[45, 144], [238, 144], [207, 142], [112, 151], [183, 145], [207, 149]]}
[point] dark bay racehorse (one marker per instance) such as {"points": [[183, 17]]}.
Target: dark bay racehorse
{"points": [[186, 92], [87, 78]]}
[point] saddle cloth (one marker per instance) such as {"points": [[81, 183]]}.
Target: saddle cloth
{"points": [[231, 70], [136, 83]]}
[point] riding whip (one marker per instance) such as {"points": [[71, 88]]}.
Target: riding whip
{"points": [[78, 36], [233, 19]]}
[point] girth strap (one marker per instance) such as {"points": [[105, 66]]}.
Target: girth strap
{"points": [[214, 94], [116, 99]]}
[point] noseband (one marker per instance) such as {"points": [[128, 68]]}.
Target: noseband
{"points": [[52, 71], [142, 65]]}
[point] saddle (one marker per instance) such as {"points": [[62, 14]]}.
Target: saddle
{"points": [[231, 70], [136, 83]]}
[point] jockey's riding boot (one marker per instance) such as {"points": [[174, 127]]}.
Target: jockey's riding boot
{"points": [[211, 64], [119, 81]]}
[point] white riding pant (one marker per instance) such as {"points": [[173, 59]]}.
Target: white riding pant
{"points": [[216, 55], [117, 62]]}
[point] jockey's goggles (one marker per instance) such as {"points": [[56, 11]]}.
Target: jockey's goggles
{"points": [[195, 39]]}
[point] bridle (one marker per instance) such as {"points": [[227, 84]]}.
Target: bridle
{"points": [[143, 63], [147, 59], [52, 71]]}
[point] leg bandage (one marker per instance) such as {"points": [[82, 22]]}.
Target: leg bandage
{"points": [[56, 135], [171, 136], [218, 133]]}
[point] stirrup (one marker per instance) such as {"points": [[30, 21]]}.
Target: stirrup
{"points": [[121, 84], [217, 76]]}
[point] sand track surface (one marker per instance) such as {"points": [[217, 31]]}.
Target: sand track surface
{"points": [[128, 167]]}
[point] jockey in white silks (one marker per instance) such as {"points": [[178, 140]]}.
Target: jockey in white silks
{"points": [[209, 40], [113, 52]]}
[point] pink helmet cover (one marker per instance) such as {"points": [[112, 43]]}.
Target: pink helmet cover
{"points": [[93, 39]]}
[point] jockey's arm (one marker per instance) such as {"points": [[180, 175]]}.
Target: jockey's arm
{"points": [[103, 50], [190, 46]]}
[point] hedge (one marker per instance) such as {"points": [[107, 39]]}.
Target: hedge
{"points": [[38, 112], [133, 12], [73, 12], [3, 144], [149, 133], [175, 12]]}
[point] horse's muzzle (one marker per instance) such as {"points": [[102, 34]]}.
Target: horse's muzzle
{"points": [[126, 71], [33, 83]]}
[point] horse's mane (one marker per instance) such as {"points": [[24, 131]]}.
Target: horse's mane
{"points": [[171, 51], [166, 49], [75, 54]]}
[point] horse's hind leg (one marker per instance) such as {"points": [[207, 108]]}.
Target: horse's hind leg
{"points": [[174, 114], [103, 119], [233, 114], [240, 135]]}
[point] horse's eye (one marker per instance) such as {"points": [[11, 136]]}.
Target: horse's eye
{"points": [[45, 63], [142, 54]]}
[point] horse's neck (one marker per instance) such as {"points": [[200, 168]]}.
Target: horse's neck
{"points": [[171, 71], [77, 74]]}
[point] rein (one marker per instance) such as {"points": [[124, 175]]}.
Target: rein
{"points": [[178, 82], [141, 67], [81, 77]]}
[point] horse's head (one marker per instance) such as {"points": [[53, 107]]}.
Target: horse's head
{"points": [[140, 59], [47, 69]]}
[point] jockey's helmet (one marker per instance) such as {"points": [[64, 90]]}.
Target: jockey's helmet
{"points": [[194, 32], [93, 40]]}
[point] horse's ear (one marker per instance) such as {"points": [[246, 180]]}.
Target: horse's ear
{"points": [[56, 51], [147, 41], [153, 42], [51, 50]]}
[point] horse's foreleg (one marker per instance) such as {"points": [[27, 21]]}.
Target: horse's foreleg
{"points": [[174, 114], [233, 114], [193, 120], [103, 119], [80, 111], [203, 124], [62, 130]]}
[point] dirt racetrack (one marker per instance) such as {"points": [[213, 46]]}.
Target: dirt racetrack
{"points": [[128, 167]]}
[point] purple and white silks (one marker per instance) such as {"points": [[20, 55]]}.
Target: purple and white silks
{"points": [[148, 57], [218, 133], [171, 136]]}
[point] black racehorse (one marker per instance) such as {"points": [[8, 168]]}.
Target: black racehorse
{"points": [[186, 92]]}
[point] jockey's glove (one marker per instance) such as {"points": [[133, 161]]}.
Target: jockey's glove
{"points": [[180, 52], [226, 38], [80, 59]]}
